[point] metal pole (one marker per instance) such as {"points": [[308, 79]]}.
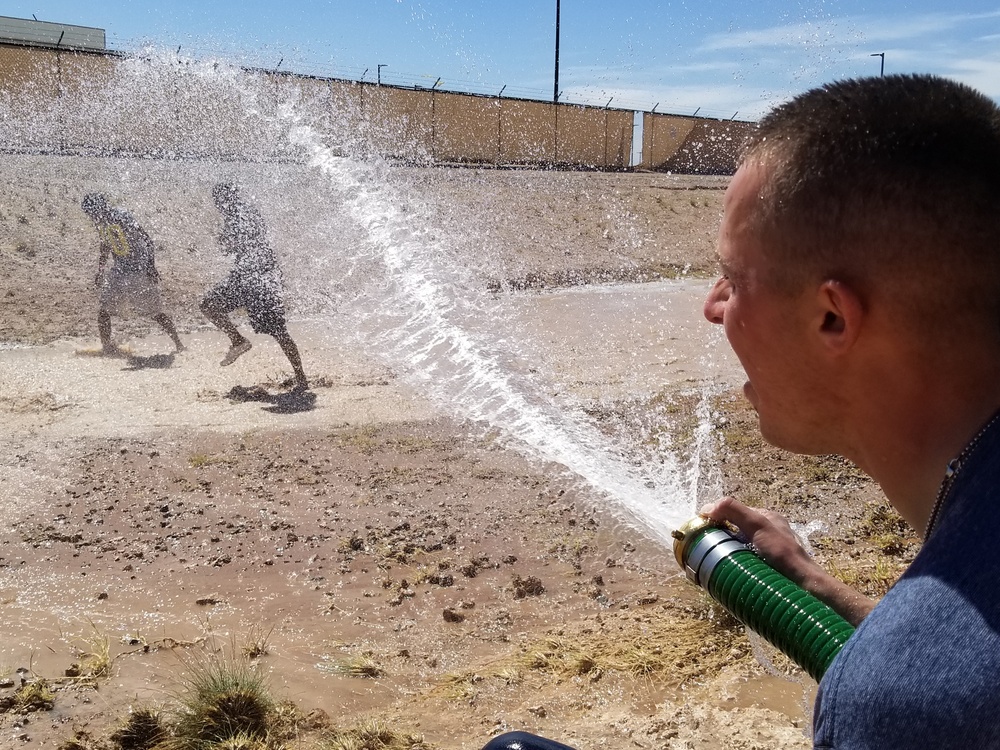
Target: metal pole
{"points": [[379, 73], [555, 88], [881, 71]]}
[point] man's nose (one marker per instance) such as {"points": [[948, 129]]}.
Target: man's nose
{"points": [[715, 303]]}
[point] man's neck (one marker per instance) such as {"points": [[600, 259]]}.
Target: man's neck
{"points": [[909, 458]]}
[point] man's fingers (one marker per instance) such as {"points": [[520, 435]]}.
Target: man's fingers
{"points": [[732, 511]]}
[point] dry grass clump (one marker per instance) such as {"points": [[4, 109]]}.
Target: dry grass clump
{"points": [[256, 644], [373, 735], [672, 645], [362, 665], [94, 660], [887, 530], [662, 646], [29, 698], [142, 729], [226, 705], [873, 579], [363, 439]]}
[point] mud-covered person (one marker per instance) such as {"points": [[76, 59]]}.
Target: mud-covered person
{"points": [[126, 278], [254, 283], [860, 289]]}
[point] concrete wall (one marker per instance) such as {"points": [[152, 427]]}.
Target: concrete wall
{"points": [[93, 102]]}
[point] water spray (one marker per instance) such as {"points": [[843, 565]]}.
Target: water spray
{"points": [[802, 627]]}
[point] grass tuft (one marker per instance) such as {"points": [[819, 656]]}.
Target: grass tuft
{"points": [[373, 735], [363, 665], [143, 729], [29, 698], [677, 646], [226, 700], [95, 660], [256, 644]]}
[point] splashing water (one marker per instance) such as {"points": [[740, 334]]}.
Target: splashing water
{"points": [[415, 304]]}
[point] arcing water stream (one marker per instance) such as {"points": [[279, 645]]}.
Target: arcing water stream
{"points": [[424, 317]]}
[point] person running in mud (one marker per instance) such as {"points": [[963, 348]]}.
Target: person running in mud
{"points": [[131, 282], [254, 283], [860, 289]]}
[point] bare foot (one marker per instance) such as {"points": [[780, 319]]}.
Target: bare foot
{"points": [[180, 348], [235, 352]]}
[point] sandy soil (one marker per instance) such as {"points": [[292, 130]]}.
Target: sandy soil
{"points": [[397, 559]]}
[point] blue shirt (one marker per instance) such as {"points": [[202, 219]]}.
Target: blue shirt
{"points": [[923, 669]]}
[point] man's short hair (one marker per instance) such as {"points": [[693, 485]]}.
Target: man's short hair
{"points": [[883, 179]]}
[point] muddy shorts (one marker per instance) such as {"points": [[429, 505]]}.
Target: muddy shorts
{"points": [[136, 294], [260, 294]]}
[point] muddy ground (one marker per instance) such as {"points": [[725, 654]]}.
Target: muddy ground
{"points": [[378, 556]]}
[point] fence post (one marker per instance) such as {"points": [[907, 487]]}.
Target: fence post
{"points": [[555, 139]]}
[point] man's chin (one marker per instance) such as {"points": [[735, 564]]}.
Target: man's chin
{"points": [[751, 395]]}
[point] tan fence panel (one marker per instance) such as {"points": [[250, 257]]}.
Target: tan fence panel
{"points": [[211, 113], [712, 147], [580, 136], [53, 99], [398, 122], [466, 128], [323, 105], [347, 125], [307, 100], [90, 114], [137, 105], [527, 132], [662, 136], [618, 138], [30, 72], [29, 97]]}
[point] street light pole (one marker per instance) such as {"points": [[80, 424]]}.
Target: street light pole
{"points": [[555, 88], [881, 71], [379, 72]]}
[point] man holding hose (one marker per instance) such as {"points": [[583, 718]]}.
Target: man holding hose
{"points": [[860, 289]]}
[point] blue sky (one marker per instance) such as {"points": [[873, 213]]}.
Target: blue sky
{"points": [[722, 58]]}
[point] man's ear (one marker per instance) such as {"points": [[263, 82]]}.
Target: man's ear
{"points": [[842, 314]]}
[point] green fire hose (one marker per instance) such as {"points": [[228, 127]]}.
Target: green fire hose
{"points": [[797, 623]]}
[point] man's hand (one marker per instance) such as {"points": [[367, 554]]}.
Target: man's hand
{"points": [[769, 533], [780, 548]]}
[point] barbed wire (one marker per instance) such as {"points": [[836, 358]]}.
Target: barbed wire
{"points": [[382, 74]]}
